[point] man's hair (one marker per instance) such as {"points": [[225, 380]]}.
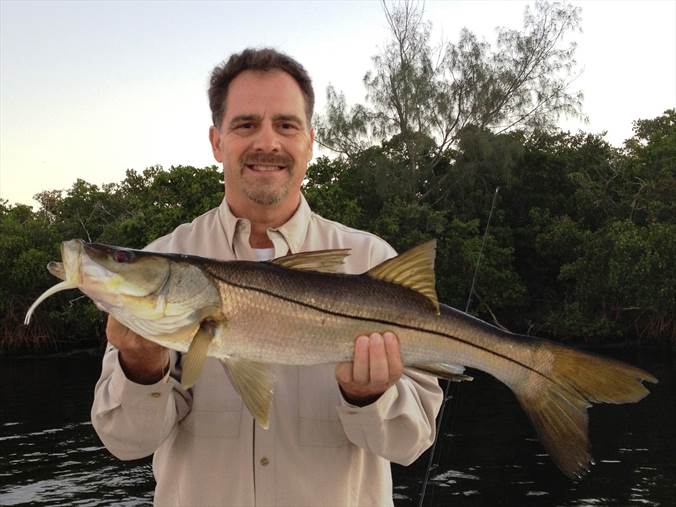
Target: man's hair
{"points": [[263, 60]]}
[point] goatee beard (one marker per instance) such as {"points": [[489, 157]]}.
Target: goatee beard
{"points": [[266, 198], [261, 193]]}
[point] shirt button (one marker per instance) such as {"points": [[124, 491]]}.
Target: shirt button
{"points": [[265, 461], [156, 395]]}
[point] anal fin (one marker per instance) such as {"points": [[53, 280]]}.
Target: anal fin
{"points": [[254, 382], [451, 372]]}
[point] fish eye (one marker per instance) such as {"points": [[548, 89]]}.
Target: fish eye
{"points": [[122, 256]]}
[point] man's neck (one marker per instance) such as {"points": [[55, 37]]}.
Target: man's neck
{"points": [[259, 236], [263, 218]]}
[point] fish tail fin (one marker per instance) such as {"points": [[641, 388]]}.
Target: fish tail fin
{"points": [[556, 399]]}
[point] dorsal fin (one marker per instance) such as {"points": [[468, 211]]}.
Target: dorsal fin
{"points": [[326, 261], [413, 269]]}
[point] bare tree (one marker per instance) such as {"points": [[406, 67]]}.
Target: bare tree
{"points": [[419, 93]]}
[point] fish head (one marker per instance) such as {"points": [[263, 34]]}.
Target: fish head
{"points": [[114, 272], [158, 296], [162, 297]]}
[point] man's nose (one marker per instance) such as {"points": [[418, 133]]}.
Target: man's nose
{"points": [[267, 139]]}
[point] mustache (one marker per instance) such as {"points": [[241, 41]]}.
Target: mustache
{"points": [[281, 159]]}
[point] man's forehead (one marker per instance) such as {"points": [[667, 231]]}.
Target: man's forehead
{"points": [[264, 92]]}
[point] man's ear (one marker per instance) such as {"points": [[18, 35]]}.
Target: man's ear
{"points": [[312, 143], [215, 140]]}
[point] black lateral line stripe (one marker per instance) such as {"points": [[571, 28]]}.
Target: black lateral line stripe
{"points": [[405, 326]]}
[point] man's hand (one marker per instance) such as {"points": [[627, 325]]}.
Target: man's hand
{"points": [[143, 361], [376, 366]]}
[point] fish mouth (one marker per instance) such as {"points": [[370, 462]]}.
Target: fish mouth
{"points": [[71, 260], [68, 271], [57, 269]]}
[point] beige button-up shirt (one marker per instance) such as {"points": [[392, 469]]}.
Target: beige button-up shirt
{"points": [[319, 450]]}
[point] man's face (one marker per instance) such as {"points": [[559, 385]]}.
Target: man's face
{"points": [[264, 141]]}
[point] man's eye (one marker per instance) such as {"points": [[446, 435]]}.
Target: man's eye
{"points": [[287, 126], [245, 126]]}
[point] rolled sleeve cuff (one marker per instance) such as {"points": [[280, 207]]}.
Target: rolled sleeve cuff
{"points": [[373, 413], [131, 394]]}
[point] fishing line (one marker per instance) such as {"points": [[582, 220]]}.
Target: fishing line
{"points": [[447, 397]]}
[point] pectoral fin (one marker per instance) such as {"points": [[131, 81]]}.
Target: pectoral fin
{"points": [[254, 382], [195, 357]]}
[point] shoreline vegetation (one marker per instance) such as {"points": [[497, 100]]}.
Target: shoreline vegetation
{"points": [[581, 246], [580, 249]]}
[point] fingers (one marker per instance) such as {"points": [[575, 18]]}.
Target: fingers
{"points": [[379, 371], [376, 359], [142, 361], [131, 344], [357, 370], [395, 365], [344, 373], [376, 365], [360, 365], [116, 332], [124, 338]]}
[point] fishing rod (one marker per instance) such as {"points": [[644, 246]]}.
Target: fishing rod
{"points": [[448, 382]]}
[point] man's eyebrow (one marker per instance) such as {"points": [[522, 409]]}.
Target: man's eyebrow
{"points": [[257, 118], [245, 117], [287, 117]]}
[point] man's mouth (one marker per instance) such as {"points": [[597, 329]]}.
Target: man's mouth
{"points": [[264, 168]]}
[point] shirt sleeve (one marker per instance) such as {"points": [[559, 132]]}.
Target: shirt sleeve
{"points": [[132, 420], [400, 425]]}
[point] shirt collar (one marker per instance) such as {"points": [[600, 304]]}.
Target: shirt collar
{"points": [[293, 231]]}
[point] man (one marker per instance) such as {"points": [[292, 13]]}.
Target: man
{"points": [[333, 429]]}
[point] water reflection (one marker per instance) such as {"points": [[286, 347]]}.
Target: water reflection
{"points": [[489, 455], [66, 465], [50, 454]]}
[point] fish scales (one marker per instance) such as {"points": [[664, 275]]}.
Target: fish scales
{"points": [[301, 318]]}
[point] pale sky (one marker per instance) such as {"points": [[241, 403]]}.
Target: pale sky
{"points": [[91, 88]]}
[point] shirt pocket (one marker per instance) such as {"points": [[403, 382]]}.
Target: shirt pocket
{"points": [[318, 400], [216, 407]]}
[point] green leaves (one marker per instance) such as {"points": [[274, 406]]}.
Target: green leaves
{"points": [[131, 213], [582, 242], [622, 278]]}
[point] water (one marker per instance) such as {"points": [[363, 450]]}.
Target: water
{"points": [[50, 455], [489, 454]]}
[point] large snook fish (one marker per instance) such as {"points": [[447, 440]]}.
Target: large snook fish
{"points": [[297, 310]]}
